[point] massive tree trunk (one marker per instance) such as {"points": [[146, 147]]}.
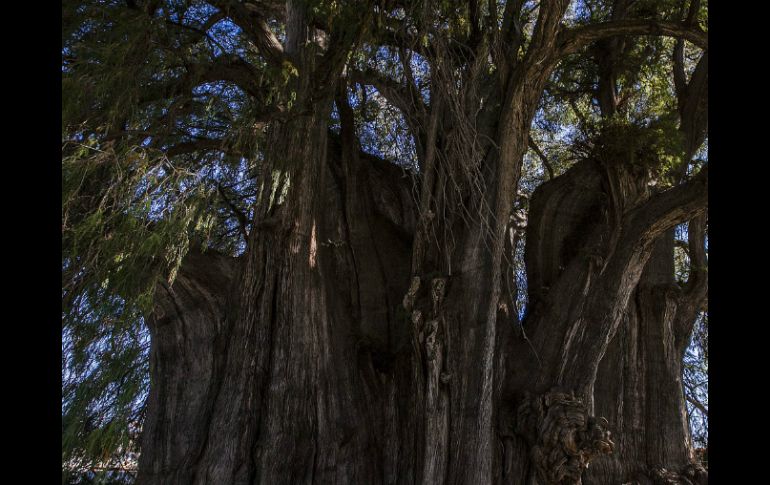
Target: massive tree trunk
{"points": [[368, 337], [300, 385], [311, 359], [639, 385]]}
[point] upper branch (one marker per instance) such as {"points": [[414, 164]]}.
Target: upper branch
{"points": [[608, 300], [404, 99], [251, 20], [667, 209], [693, 108], [232, 69], [680, 82], [693, 296], [541, 156], [576, 38]]}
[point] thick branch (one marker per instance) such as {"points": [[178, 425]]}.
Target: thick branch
{"points": [[680, 78], [508, 39], [695, 291], [693, 108], [680, 82], [606, 54], [250, 19], [576, 38], [232, 69], [587, 342], [667, 209], [274, 9], [397, 94], [412, 107]]}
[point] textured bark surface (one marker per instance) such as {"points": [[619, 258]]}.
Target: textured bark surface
{"points": [[298, 377], [368, 336], [314, 358], [188, 338]]}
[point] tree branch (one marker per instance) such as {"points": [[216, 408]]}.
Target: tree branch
{"points": [[572, 40], [411, 106], [243, 221], [667, 209], [579, 114], [680, 81], [697, 404], [232, 69], [250, 19], [693, 296], [693, 108], [608, 300], [542, 157]]}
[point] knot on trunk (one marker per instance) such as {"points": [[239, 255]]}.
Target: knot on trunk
{"points": [[417, 325], [411, 294], [432, 342], [692, 474], [422, 305], [563, 437], [438, 289]]}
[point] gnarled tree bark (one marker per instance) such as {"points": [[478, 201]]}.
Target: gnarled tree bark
{"points": [[363, 338]]}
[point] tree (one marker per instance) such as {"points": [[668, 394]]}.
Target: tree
{"points": [[332, 218]]}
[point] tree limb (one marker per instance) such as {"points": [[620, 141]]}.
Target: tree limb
{"points": [[697, 404], [232, 69], [695, 291], [608, 300], [250, 19], [680, 81], [572, 40], [411, 106], [693, 108], [541, 156], [243, 221], [696, 232], [667, 209]]}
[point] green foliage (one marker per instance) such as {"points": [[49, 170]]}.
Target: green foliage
{"points": [[656, 147], [130, 210], [127, 220], [108, 52]]}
